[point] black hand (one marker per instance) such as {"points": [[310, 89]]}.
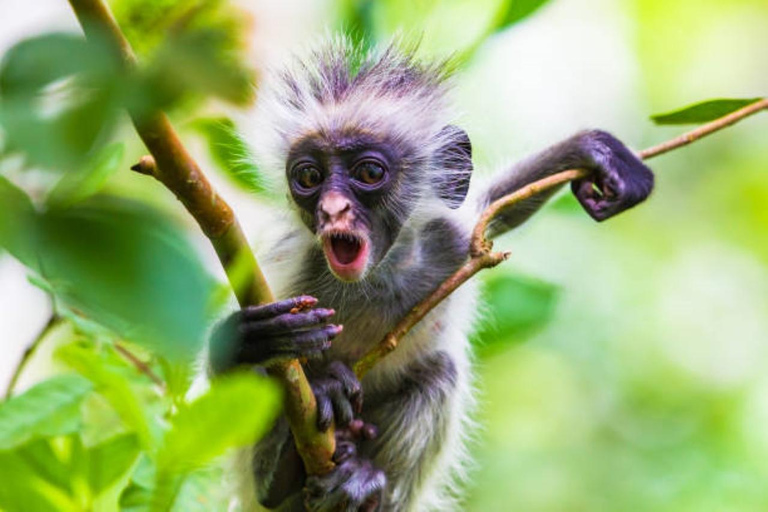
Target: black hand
{"points": [[354, 485], [288, 329], [619, 179], [339, 395]]}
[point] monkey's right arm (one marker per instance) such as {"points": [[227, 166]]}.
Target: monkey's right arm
{"points": [[619, 180], [259, 335], [289, 329]]}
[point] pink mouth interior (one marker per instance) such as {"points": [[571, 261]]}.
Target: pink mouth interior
{"points": [[346, 250], [347, 255]]}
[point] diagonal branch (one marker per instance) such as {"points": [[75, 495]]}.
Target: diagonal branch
{"points": [[481, 253], [176, 169]]}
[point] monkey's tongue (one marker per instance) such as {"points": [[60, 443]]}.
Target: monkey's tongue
{"points": [[345, 250]]}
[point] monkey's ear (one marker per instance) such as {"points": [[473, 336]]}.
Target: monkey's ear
{"points": [[455, 158]]}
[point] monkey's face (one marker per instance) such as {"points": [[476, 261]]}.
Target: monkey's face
{"points": [[349, 190]]}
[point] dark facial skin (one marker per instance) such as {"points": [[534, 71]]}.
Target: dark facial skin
{"points": [[365, 171]]}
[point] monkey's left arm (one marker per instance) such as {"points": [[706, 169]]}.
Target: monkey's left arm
{"points": [[619, 180]]}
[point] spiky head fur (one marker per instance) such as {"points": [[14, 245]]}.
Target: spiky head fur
{"points": [[337, 88]]}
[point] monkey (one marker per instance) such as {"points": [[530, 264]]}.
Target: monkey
{"points": [[377, 178]]}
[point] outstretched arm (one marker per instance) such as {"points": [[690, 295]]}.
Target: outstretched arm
{"points": [[619, 180]]}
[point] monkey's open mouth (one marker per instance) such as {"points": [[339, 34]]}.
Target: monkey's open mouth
{"points": [[347, 254]]}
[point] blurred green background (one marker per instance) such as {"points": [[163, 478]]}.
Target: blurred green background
{"points": [[621, 366]]}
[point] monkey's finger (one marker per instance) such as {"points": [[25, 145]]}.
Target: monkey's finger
{"points": [[352, 387], [286, 323], [341, 405], [362, 430], [324, 411], [282, 307], [309, 344], [344, 451], [370, 431], [591, 199], [365, 487]]}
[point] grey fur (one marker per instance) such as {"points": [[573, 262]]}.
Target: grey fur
{"points": [[421, 395]]}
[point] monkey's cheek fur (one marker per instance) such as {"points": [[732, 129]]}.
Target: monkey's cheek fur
{"points": [[347, 255]]}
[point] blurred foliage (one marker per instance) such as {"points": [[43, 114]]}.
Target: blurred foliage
{"points": [[516, 306], [232, 154], [567, 410], [702, 112], [444, 28]]}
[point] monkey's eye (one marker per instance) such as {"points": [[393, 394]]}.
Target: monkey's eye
{"points": [[369, 172], [308, 176]]}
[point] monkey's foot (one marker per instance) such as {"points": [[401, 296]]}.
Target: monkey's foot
{"points": [[339, 395], [354, 485]]}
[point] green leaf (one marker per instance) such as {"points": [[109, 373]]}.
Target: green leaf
{"points": [[702, 112], [231, 153], [48, 409], [110, 460], [235, 412], [128, 268], [80, 184], [518, 307], [17, 216], [59, 96], [26, 487], [512, 11], [46, 464], [135, 498], [201, 492], [110, 384], [193, 63]]}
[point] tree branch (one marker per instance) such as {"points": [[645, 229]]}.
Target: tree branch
{"points": [[480, 250], [176, 169]]}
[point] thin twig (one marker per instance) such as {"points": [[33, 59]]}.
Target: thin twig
{"points": [[480, 250], [140, 365], [29, 352], [706, 129]]}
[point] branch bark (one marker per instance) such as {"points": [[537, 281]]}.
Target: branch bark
{"points": [[176, 169], [481, 253]]}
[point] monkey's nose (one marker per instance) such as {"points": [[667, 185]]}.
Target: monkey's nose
{"points": [[334, 206]]}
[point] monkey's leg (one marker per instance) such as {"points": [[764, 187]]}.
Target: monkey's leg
{"points": [[277, 467], [418, 437], [618, 181]]}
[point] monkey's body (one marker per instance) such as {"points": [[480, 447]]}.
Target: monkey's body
{"points": [[418, 397], [378, 175]]}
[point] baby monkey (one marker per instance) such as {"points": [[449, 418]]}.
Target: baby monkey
{"points": [[378, 176]]}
